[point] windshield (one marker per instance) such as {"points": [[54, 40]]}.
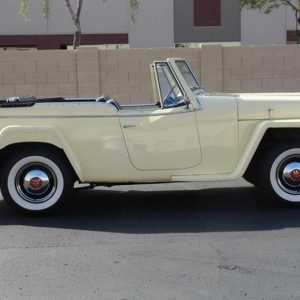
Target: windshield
{"points": [[188, 75], [170, 92]]}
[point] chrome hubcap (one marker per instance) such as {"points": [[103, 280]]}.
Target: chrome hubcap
{"points": [[288, 175], [36, 183]]}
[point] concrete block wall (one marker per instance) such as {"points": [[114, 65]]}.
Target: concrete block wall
{"points": [[125, 74], [211, 68], [261, 69], [41, 73], [88, 72]]}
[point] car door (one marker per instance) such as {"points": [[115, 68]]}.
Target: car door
{"points": [[165, 136]]}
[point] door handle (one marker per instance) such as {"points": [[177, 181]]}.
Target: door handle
{"points": [[128, 126]]}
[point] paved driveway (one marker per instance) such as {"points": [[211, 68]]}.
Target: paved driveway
{"points": [[174, 241]]}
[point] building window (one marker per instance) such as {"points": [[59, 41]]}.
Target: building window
{"points": [[207, 12]]}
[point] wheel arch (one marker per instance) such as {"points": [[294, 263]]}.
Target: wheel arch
{"points": [[16, 138], [271, 137], [6, 152]]}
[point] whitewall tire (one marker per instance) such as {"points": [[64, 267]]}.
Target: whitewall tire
{"points": [[280, 172], [36, 181]]}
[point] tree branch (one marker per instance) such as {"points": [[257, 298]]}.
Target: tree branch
{"points": [[288, 2], [73, 16], [79, 6]]}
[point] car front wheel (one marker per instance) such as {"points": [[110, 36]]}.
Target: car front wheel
{"points": [[280, 173], [36, 181]]}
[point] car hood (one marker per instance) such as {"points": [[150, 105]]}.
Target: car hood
{"points": [[266, 106]]}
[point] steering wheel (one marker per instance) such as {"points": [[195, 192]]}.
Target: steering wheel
{"points": [[169, 100]]}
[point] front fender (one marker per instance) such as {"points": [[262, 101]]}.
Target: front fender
{"points": [[246, 156], [40, 134], [256, 138]]}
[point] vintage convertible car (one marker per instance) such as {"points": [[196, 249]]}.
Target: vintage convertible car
{"points": [[186, 135]]}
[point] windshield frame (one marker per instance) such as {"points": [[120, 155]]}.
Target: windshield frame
{"points": [[191, 97], [178, 85]]}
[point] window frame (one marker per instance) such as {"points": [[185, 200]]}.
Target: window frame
{"points": [[159, 86], [207, 19]]}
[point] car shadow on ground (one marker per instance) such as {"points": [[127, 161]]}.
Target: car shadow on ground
{"points": [[137, 212]]}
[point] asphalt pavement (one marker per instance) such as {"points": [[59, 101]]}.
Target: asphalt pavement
{"points": [[168, 241]]}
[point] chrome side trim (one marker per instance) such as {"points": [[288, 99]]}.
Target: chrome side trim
{"points": [[157, 115], [97, 116], [58, 117]]}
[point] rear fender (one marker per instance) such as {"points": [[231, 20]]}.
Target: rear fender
{"points": [[40, 134]]}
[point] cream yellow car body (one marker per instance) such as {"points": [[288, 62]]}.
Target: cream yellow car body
{"points": [[213, 139], [185, 135]]}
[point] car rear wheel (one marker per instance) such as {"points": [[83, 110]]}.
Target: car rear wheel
{"points": [[280, 173], [36, 181]]}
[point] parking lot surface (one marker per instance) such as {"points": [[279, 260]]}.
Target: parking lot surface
{"points": [[168, 241]]}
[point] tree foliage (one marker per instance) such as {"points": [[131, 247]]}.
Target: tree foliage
{"points": [[25, 6], [268, 6], [134, 6]]}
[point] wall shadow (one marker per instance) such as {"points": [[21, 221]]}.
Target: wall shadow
{"points": [[136, 212]]}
